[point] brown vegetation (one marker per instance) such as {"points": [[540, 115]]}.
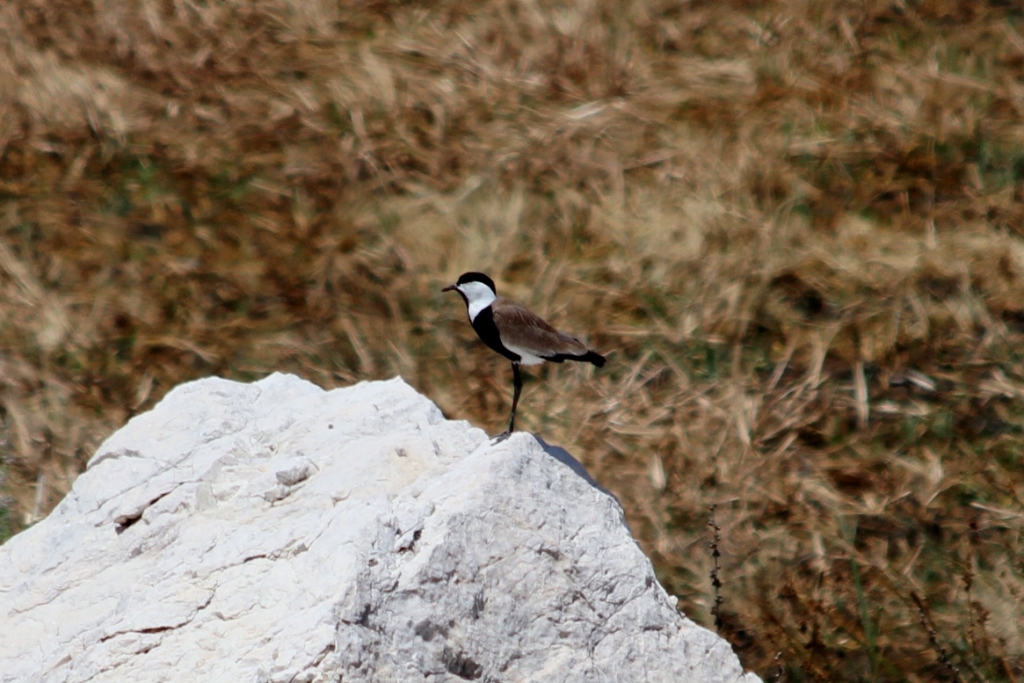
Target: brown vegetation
{"points": [[796, 227]]}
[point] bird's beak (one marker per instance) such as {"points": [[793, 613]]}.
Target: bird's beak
{"points": [[449, 288]]}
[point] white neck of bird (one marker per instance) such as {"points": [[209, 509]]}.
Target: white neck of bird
{"points": [[478, 297]]}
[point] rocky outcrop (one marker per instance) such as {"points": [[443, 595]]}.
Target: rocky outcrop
{"points": [[277, 532]]}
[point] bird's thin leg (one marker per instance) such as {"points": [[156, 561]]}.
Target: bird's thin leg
{"points": [[517, 381]]}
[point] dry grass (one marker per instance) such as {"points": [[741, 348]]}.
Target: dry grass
{"points": [[797, 227]]}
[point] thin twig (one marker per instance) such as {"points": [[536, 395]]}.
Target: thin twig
{"points": [[779, 669], [716, 581], [933, 637]]}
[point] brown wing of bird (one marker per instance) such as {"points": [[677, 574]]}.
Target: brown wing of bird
{"points": [[525, 329]]}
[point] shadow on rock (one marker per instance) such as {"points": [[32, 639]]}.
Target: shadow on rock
{"points": [[563, 456]]}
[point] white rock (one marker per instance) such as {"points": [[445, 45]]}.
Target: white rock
{"points": [[276, 532]]}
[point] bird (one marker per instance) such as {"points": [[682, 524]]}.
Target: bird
{"points": [[517, 333]]}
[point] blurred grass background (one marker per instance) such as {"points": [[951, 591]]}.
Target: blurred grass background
{"points": [[795, 227]]}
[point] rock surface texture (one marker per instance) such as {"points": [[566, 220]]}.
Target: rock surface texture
{"points": [[277, 532]]}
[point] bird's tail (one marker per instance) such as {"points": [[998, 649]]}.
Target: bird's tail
{"points": [[588, 357]]}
